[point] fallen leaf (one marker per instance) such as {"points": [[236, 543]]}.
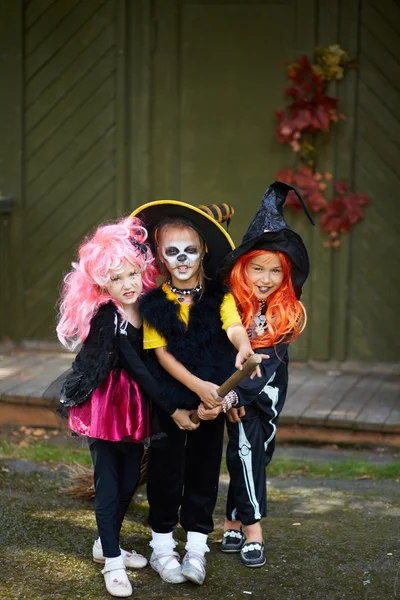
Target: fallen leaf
{"points": [[39, 432], [364, 477], [5, 470], [23, 444], [295, 524]]}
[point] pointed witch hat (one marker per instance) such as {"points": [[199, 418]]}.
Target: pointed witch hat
{"points": [[269, 231], [206, 220]]}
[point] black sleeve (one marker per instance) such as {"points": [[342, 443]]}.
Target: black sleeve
{"points": [[94, 360], [133, 364], [249, 389]]}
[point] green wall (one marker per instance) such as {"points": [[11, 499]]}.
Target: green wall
{"points": [[112, 103]]}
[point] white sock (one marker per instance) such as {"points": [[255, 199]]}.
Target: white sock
{"points": [[164, 543], [119, 574], [196, 542]]}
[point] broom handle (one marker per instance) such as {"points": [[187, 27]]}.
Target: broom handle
{"points": [[228, 385]]}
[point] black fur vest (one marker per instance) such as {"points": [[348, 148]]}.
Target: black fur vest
{"points": [[202, 347]]}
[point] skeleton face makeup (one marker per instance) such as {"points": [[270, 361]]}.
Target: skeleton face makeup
{"points": [[180, 249]]}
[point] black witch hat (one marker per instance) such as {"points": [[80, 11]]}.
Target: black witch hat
{"points": [[269, 231], [206, 220]]}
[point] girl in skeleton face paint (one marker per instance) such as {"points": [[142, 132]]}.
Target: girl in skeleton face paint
{"points": [[180, 252], [190, 324]]}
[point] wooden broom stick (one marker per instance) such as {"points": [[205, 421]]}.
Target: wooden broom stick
{"points": [[228, 385]]}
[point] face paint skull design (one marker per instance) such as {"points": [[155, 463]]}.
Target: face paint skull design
{"points": [[181, 252]]}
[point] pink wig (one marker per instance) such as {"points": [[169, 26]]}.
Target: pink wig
{"points": [[108, 249]]}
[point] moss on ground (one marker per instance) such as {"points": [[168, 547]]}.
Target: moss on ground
{"points": [[326, 539]]}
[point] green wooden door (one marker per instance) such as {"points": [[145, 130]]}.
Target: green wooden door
{"points": [[216, 85]]}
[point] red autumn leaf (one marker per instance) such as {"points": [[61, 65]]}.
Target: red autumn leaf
{"points": [[285, 175], [340, 187], [293, 201]]}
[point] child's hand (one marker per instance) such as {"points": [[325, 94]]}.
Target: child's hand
{"points": [[244, 352], [207, 392], [235, 414], [257, 370], [208, 414], [182, 418]]}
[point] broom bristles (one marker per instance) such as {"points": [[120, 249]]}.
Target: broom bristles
{"points": [[82, 479]]}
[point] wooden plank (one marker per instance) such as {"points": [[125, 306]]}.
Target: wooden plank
{"points": [[26, 368], [381, 58], [374, 80], [374, 182], [35, 9], [165, 175], [63, 149], [122, 147], [304, 41], [60, 35], [348, 37], [331, 396], [305, 397], [382, 29], [305, 38], [393, 420], [381, 407], [74, 187], [370, 129], [73, 75], [11, 154], [46, 23], [390, 10], [320, 323], [366, 153], [38, 378], [60, 169], [97, 192], [297, 375], [72, 50], [45, 290], [369, 100], [142, 25], [100, 76], [346, 413], [12, 365]]}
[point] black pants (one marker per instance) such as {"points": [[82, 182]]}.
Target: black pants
{"points": [[116, 475], [184, 475], [250, 448]]}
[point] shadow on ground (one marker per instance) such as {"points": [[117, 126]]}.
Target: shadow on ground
{"points": [[325, 540]]}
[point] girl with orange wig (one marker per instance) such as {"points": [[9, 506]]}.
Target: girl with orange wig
{"points": [[266, 274]]}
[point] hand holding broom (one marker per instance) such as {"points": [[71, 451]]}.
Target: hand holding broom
{"points": [[228, 385]]}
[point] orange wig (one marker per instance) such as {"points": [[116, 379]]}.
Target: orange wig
{"points": [[285, 316]]}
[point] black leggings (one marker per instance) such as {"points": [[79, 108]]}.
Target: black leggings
{"points": [[116, 475], [183, 476]]}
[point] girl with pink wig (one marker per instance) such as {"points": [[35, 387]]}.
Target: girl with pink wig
{"points": [[108, 388]]}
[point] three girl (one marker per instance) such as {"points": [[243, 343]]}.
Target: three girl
{"points": [[107, 389]]}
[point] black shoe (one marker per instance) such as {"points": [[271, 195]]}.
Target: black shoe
{"points": [[252, 554], [232, 541]]}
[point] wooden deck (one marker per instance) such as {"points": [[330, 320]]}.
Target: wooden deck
{"points": [[326, 403]]}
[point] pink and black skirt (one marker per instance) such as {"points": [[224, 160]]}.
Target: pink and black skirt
{"points": [[116, 411]]}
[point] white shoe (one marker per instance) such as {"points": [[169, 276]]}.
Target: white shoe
{"points": [[169, 575], [132, 560], [120, 588], [192, 572]]}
